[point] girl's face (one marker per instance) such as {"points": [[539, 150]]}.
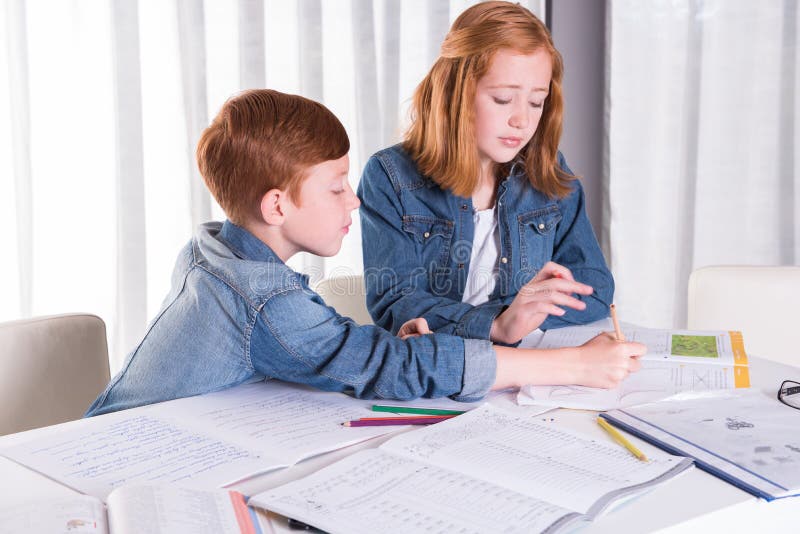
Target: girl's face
{"points": [[508, 103]]}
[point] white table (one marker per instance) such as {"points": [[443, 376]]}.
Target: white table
{"points": [[693, 502]]}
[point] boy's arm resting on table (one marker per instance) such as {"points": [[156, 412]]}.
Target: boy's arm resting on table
{"points": [[297, 338], [601, 362], [576, 248]]}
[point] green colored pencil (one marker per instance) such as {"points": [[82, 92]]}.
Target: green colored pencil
{"points": [[422, 411]]}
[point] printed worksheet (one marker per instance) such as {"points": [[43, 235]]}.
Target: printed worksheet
{"points": [[655, 380], [684, 346], [375, 491], [487, 470]]}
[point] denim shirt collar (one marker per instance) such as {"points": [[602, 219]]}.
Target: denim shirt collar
{"points": [[245, 245], [248, 247]]}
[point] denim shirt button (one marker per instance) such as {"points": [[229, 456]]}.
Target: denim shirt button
{"points": [[541, 226], [426, 235], [464, 207], [503, 260]]}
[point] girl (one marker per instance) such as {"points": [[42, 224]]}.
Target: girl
{"points": [[475, 222]]}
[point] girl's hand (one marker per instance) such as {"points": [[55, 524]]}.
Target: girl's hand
{"points": [[414, 328], [605, 362], [551, 288]]}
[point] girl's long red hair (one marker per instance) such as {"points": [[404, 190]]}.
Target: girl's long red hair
{"points": [[441, 138]]}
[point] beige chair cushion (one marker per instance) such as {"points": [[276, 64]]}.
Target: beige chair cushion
{"points": [[760, 301], [51, 369], [347, 295]]}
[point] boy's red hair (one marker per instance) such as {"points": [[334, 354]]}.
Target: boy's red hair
{"points": [[262, 139], [441, 139]]}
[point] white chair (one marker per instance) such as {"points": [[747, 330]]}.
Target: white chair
{"points": [[347, 295], [760, 301], [51, 369]]}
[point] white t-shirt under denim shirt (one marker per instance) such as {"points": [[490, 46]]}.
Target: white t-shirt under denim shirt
{"points": [[483, 270], [482, 275]]}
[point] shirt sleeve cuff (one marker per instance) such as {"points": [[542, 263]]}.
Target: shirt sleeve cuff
{"points": [[477, 323], [480, 368]]}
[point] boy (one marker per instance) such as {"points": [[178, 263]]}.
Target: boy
{"points": [[277, 165]]}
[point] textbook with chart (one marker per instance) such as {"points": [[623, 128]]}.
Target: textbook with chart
{"points": [[676, 361], [743, 437], [489, 470], [136, 509]]}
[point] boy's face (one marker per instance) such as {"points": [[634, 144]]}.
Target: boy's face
{"points": [[322, 218]]}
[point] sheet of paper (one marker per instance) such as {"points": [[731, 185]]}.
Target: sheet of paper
{"points": [[748, 433], [76, 515], [656, 380], [374, 491], [139, 448], [534, 339], [687, 346], [290, 422], [174, 510], [564, 468]]}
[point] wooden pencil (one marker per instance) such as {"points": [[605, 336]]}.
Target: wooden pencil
{"points": [[617, 329]]}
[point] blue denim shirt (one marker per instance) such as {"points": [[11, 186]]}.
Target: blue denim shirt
{"points": [[417, 243], [237, 313]]}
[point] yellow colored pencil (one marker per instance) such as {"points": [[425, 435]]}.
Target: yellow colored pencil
{"points": [[619, 438]]}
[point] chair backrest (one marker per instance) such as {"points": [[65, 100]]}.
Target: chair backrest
{"points": [[347, 295], [760, 301], [51, 369]]}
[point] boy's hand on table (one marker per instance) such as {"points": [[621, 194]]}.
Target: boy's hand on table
{"points": [[551, 288], [414, 328]]}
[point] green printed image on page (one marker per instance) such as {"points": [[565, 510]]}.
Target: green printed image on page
{"points": [[699, 346]]}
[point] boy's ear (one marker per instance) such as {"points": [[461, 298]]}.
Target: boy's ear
{"points": [[273, 207]]}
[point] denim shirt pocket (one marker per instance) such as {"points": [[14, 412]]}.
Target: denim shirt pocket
{"points": [[537, 231], [432, 236]]}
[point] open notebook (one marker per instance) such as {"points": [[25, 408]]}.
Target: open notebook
{"points": [[487, 470], [136, 509], [676, 361], [207, 441]]}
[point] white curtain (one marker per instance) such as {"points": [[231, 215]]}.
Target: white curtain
{"points": [[101, 104], [703, 140]]}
